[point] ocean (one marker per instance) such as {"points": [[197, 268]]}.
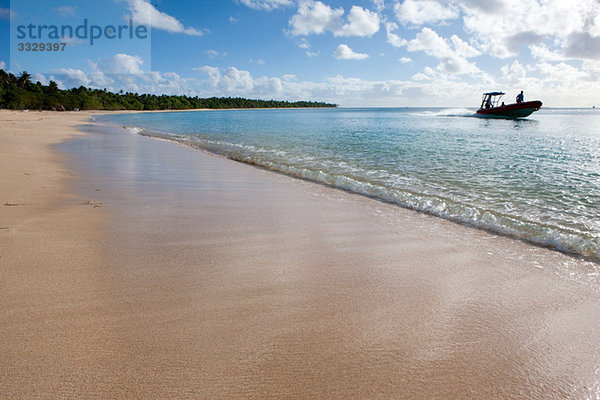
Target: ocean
{"points": [[535, 179]]}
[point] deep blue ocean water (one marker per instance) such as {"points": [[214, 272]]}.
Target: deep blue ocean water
{"points": [[537, 179]]}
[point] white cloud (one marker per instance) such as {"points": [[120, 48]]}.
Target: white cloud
{"points": [[235, 82], [430, 42], [419, 12], [379, 5], [121, 72], [560, 72], [452, 53], [542, 52], [361, 22], [560, 84], [392, 38], [343, 52], [122, 64], [304, 44], [315, 17], [462, 48], [337, 89], [74, 77], [560, 26], [212, 72], [233, 79], [66, 11], [2, 65], [405, 60], [267, 5], [144, 13], [313, 53], [212, 54], [514, 73], [37, 77]]}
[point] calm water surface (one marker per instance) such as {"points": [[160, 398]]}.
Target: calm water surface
{"points": [[537, 179]]}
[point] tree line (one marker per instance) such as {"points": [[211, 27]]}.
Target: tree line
{"points": [[20, 93]]}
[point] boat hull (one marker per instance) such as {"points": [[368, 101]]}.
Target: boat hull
{"points": [[516, 110]]}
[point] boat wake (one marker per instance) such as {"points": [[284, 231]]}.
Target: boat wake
{"points": [[449, 112], [456, 112]]}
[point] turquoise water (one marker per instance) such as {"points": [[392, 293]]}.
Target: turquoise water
{"points": [[537, 179]]}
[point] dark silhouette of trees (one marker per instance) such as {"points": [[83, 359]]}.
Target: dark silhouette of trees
{"points": [[19, 93]]}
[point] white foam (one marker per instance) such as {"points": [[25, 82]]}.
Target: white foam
{"points": [[134, 130], [455, 112]]}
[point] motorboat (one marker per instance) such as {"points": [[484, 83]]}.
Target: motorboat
{"points": [[491, 107]]}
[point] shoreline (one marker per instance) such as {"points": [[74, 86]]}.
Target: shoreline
{"points": [[149, 269], [535, 241]]}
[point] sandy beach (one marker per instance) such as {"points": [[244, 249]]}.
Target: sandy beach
{"points": [[132, 267]]}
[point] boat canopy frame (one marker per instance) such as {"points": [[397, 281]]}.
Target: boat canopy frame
{"points": [[494, 96]]}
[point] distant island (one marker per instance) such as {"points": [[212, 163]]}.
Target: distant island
{"points": [[19, 93]]}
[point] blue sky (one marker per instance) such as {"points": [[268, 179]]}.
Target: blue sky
{"points": [[353, 52]]}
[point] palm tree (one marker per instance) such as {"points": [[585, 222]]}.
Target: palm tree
{"points": [[52, 87], [23, 80]]}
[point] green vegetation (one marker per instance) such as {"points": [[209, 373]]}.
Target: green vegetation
{"points": [[19, 93]]}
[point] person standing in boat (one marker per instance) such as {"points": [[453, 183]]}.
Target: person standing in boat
{"points": [[520, 97], [488, 103]]}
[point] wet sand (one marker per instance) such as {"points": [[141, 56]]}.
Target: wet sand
{"points": [[138, 268]]}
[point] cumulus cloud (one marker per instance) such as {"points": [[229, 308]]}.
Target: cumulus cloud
{"points": [[514, 73], [405, 60], [144, 13], [267, 5], [452, 53], [379, 5], [122, 64], [361, 22], [37, 77], [522, 39], [232, 81], [542, 52], [485, 6], [121, 72], [419, 12], [462, 48], [392, 38], [337, 89], [315, 17], [582, 45], [343, 52], [74, 78], [560, 25], [560, 72]]}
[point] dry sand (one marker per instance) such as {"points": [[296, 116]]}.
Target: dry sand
{"points": [[137, 268]]}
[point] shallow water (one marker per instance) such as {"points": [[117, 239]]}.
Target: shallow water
{"points": [[536, 179]]}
